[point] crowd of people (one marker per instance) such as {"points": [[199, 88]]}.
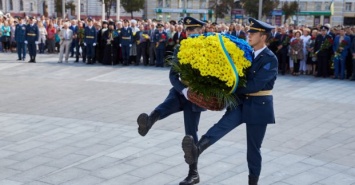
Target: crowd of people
{"points": [[322, 51]]}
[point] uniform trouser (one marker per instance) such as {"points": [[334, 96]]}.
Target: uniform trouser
{"points": [[21, 50], [125, 53], [64, 46], [323, 65], [176, 102], [31, 49], [72, 46], [255, 135], [142, 51], [339, 67], [152, 53], [160, 57], [83, 51], [90, 51]]}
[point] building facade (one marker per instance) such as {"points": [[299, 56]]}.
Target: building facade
{"points": [[315, 12]]}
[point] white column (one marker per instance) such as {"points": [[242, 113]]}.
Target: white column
{"points": [[260, 9], [78, 9], [103, 10], [63, 9], [118, 9]]}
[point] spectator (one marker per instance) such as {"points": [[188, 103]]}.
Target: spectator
{"points": [[51, 32], [6, 33], [42, 36]]}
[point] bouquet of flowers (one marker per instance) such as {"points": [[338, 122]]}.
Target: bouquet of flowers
{"points": [[295, 46], [325, 45], [341, 47], [162, 38], [213, 66]]}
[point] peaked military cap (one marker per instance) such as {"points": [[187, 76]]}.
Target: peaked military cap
{"points": [[192, 22], [172, 22], [324, 28], [259, 26], [159, 25], [89, 19], [104, 22], [111, 23]]}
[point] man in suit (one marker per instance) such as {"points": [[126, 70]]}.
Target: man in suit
{"points": [[90, 41], [239, 32], [126, 39], [152, 42], [141, 39], [32, 34], [179, 35], [161, 37], [20, 36], [66, 38], [255, 105], [177, 101], [74, 28], [352, 50], [323, 52], [282, 49], [341, 52]]}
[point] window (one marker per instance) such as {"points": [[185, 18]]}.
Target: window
{"points": [[181, 3], [318, 6], [203, 4], [11, 5], [348, 7], [21, 5], [82, 6], [31, 7], [303, 6], [327, 6], [167, 3], [189, 3], [160, 3]]}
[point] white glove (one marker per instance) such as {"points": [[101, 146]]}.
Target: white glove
{"points": [[84, 44], [130, 45], [25, 42], [184, 92], [94, 44], [36, 42], [120, 45]]}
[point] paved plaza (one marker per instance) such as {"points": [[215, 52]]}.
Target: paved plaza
{"points": [[75, 124]]}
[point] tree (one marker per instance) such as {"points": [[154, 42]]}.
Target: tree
{"points": [[58, 7], [220, 7], [251, 7], [132, 5], [289, 9]]}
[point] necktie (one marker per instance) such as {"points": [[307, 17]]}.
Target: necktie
{"points": [[253, 55]]}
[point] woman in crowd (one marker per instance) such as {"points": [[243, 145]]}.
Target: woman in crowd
{"points": [[305, 37], [296, 51], [311, 57], [51, 31], [6, 33], [42, 36]]}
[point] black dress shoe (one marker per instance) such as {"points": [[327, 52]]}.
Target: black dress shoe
{"points": [[19, 59], [192, 177]]}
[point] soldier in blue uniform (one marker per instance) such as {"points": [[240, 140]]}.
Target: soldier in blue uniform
{"points": [[161, 38], [176, 101], [32, 34], [126, 39], [255, 106], [90, 41], [20, 36]]}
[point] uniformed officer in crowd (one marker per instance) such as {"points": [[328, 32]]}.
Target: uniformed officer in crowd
{"points": [[255, 105], [126, 39], [90, 41], [32, 35], [323, 54], [177, 101], [161, 38], [20, 36]]}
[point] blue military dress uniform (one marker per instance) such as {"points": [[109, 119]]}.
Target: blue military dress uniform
{"points": [[73, 45], [90, 41], [161, 38], [255, 108], [32, 35], [126, 40], [20, 36]]}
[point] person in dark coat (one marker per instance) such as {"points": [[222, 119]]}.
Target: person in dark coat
{"points": [[283, 40], [323, 51], [255, 105], [20, 36], [141, 39], [32, 34], [90, 41], [101, 42], [126, 39], [177, 101], [161, 38], [110, 42]]}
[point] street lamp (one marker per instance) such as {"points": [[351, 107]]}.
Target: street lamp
{"points": [[260, 9]]}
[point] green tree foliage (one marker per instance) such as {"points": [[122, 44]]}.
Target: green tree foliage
{"points": [[58, 6], [252, 7], [132, 5], [220, 7], [289, 9]]}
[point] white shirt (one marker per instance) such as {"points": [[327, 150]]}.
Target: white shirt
{"points": [[257, 52]]}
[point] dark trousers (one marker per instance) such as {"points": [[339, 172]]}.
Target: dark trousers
{"points": [[283, 60], [72, 46], [90, 53], [255, 136], [323, 65], [41, 47], [125, 53], [176, 102], [152, 53], [160, 57], [142, 52], [31, 49], [77, 52], [21, 50], [296, 66]]}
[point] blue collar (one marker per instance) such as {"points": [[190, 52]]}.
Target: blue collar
{"points": [[194, 35]]}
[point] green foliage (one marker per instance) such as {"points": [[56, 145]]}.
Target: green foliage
{"points": [[289, 9], [132, 5], [221, 7], [58, 6], [252, 7]]}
